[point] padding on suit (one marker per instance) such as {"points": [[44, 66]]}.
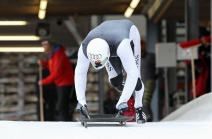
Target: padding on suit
{"points": [[138, 85]]}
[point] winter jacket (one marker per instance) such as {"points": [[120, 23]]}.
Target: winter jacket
{"points": [[131, 110], [61, 70]]}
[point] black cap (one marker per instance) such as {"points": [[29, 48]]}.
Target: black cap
{"points": [[48, 41]]}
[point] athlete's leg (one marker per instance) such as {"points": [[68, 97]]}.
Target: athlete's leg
{"points": [[139, 89], [114, 71], [136, 46]]}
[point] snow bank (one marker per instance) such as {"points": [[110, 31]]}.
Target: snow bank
{"points": [[199, 109]]}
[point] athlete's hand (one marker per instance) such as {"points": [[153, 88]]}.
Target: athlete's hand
{"points": [[40, 82], [39, 61]]}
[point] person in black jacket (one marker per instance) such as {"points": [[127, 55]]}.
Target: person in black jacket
{"points": [[110, 102], [148, 77]]}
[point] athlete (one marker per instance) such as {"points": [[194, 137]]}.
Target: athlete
{"points": [[112, 44]]}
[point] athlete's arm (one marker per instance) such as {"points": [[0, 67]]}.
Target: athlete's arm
{"points": [[81, 76], [125, 53]]}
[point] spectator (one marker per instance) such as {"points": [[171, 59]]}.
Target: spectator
{"points": [[61, 73], [131, 110], [49, 97], [110, 102], [148, 78]]}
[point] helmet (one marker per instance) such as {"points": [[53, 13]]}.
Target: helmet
{"points": [[98, 53]]}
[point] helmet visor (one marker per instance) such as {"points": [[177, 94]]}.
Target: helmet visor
{"points": [[98, 64]]}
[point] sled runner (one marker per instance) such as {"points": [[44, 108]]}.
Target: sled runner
{"points": [[104, 118]]}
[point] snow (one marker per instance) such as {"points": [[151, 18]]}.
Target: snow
{"points": [[193, 121], [204, 114], [74, 130], [199, 109]]}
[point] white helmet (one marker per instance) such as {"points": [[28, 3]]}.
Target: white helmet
{"points": [[98, 53]]}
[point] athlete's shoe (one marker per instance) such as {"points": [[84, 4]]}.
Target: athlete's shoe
{"points": [[121, 109], [140, 115], [83, 110]]}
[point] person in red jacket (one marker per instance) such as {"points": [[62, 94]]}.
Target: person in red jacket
{"points": [[61, 73]]}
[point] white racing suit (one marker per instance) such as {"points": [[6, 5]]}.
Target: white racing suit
{"points": [[123, 39]]}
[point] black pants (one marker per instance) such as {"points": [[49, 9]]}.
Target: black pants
{"points": [[49, 105], [50, 98], [63, 94]]}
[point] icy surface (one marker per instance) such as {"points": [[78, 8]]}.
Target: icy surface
{"points": [[192, 121], [74, 130]]}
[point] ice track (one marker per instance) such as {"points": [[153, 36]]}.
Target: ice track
{"points": [[192, 121]]}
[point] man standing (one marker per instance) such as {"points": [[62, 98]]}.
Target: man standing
{"points": [[148, 77], [112, 44], [61, 73]]}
